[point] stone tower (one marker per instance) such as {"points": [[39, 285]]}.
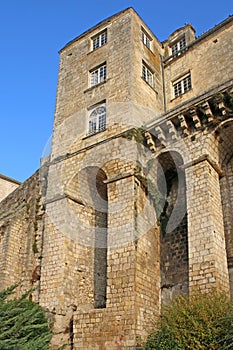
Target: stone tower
{"points": [[101, 239], [135, 201]]}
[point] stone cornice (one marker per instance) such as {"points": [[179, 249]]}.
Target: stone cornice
{"points": [[204, 157], [191, 103], [201, 114]]}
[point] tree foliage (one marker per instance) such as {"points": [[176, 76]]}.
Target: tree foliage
{"points": [[23, 324], [201, 321]]}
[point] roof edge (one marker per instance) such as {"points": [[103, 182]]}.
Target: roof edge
{"points": [[105, 21], [9, 179], [215, 28]]}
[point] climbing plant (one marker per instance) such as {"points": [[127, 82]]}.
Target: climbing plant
{"points": [[143, 173], [136, 134], [153, 193]]}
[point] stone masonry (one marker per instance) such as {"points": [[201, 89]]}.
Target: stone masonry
{"points": [[134, 204], [7, 185]]}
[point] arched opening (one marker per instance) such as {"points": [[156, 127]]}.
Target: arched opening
{"points": [[100, 245], [224, 134], [97, 189], [173, 226], [88, 189]]}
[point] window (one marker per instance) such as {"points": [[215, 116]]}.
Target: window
{"points": [[147, 75], [146, 39], [98, 75], [99, 40], [97, 119], [179, 47], [183, 85]]}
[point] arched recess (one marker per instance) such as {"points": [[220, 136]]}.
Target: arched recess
{"points": [[225, 141], [173, 226], [89, 190], [101, 239]]}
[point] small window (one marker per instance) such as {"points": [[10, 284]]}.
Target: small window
{"points": [[98, 75], [179, 47], [146, 39], [183, 85], [147, 75], [97, 119], [99, 40]]}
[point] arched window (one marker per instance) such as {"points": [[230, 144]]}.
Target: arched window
{"points": [[97, 119]]}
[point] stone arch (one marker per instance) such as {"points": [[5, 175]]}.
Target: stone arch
{"points": [[88, 189], [224, 134], [173, 225], [101, 240]]}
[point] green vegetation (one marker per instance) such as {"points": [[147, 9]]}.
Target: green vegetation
{"points": [[201, 321], [23, 325], [155, 196], [153, 193], [136, 134]]}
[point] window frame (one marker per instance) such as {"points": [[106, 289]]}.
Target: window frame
{"points": [[147, 74], [96, 118], [179, 47], [98, 74], [182, 85], [99, 39], [146, 38]]}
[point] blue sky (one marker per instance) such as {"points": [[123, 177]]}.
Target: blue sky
{"points": [[32, 32]]}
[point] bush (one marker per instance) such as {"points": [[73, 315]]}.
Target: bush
{"points": [[23, 325], [161, 340], [201, 321], [227, 337]]}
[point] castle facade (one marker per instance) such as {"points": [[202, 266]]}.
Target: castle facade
{"points": [[134, 205]]}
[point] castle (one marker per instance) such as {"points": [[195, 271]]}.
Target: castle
{"points": [[134, 203]]}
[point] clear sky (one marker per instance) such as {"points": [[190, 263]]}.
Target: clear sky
{"points": [[32, 32]]}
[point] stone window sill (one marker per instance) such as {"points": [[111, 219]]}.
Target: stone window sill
{"points": [[95, 86], [150, 86]]}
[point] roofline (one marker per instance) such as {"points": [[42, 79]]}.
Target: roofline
{"points": [[206, 33], [105, 21], [179, 30], [214, 29], [110, 18], [9, 179], [167, 60]]}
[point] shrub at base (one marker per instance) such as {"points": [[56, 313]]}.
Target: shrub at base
{"points": [[197, 322], [23, 325]]}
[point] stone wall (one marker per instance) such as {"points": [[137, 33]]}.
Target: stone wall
{"points": [[173, 227], [147, 98], [90, 195], [201, 59], [206, 149], [7, 186], [21, 227], [225, 159]]}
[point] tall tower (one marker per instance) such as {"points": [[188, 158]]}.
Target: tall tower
{"points": [[101, 240]]}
